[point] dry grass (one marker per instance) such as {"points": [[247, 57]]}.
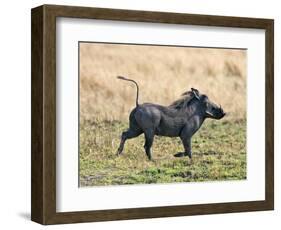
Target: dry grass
{"points": [[163, 73]]}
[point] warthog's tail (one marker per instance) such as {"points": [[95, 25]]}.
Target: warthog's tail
{"points": [[126, 79]]}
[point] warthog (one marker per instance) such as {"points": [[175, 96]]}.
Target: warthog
{"points": [[180, 119]]}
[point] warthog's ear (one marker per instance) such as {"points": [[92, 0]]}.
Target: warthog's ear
{"points": [[195, 93]]}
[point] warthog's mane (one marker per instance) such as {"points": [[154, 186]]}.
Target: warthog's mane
{"points": [[183, 102]]}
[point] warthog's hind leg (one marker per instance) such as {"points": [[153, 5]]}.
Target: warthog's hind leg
{"points": [[149, 136], [130, 133]]}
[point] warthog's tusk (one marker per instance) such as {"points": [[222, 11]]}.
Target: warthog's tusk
{"points": [[209, 113]]}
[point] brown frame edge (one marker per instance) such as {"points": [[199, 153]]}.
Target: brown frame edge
{"points": [[43, 110]]}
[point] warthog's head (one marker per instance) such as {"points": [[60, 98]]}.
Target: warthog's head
{"points": [[210, 109]]}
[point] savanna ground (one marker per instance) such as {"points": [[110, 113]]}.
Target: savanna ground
{"points": [[163, 74]]}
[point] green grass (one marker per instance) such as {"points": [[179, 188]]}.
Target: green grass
{"points": [[219, 153]]}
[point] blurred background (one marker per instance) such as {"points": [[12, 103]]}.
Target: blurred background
{"points": [[163, 74]]}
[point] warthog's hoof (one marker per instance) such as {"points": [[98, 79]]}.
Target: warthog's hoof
{"points": [[118, 153], [182, 154]]}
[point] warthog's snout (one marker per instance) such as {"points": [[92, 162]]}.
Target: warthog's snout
{"points": [[213, 111], [220, 113], [216, 113]]}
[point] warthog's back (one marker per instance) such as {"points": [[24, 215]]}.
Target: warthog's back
{"points": [[163, 120]]}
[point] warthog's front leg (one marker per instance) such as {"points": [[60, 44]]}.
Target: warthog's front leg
{"points": [[185, 136], [187, 148]]}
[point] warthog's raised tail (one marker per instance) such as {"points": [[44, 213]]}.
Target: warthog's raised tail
{"points": [[126, 79]]}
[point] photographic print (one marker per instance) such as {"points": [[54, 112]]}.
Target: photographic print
{"points": [[177, 109], [161, 114]]}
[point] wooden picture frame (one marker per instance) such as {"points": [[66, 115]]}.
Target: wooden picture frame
{"points": [[43, 160]]}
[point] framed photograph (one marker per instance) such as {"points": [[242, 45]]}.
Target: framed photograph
{"points": [[140, 114]]}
